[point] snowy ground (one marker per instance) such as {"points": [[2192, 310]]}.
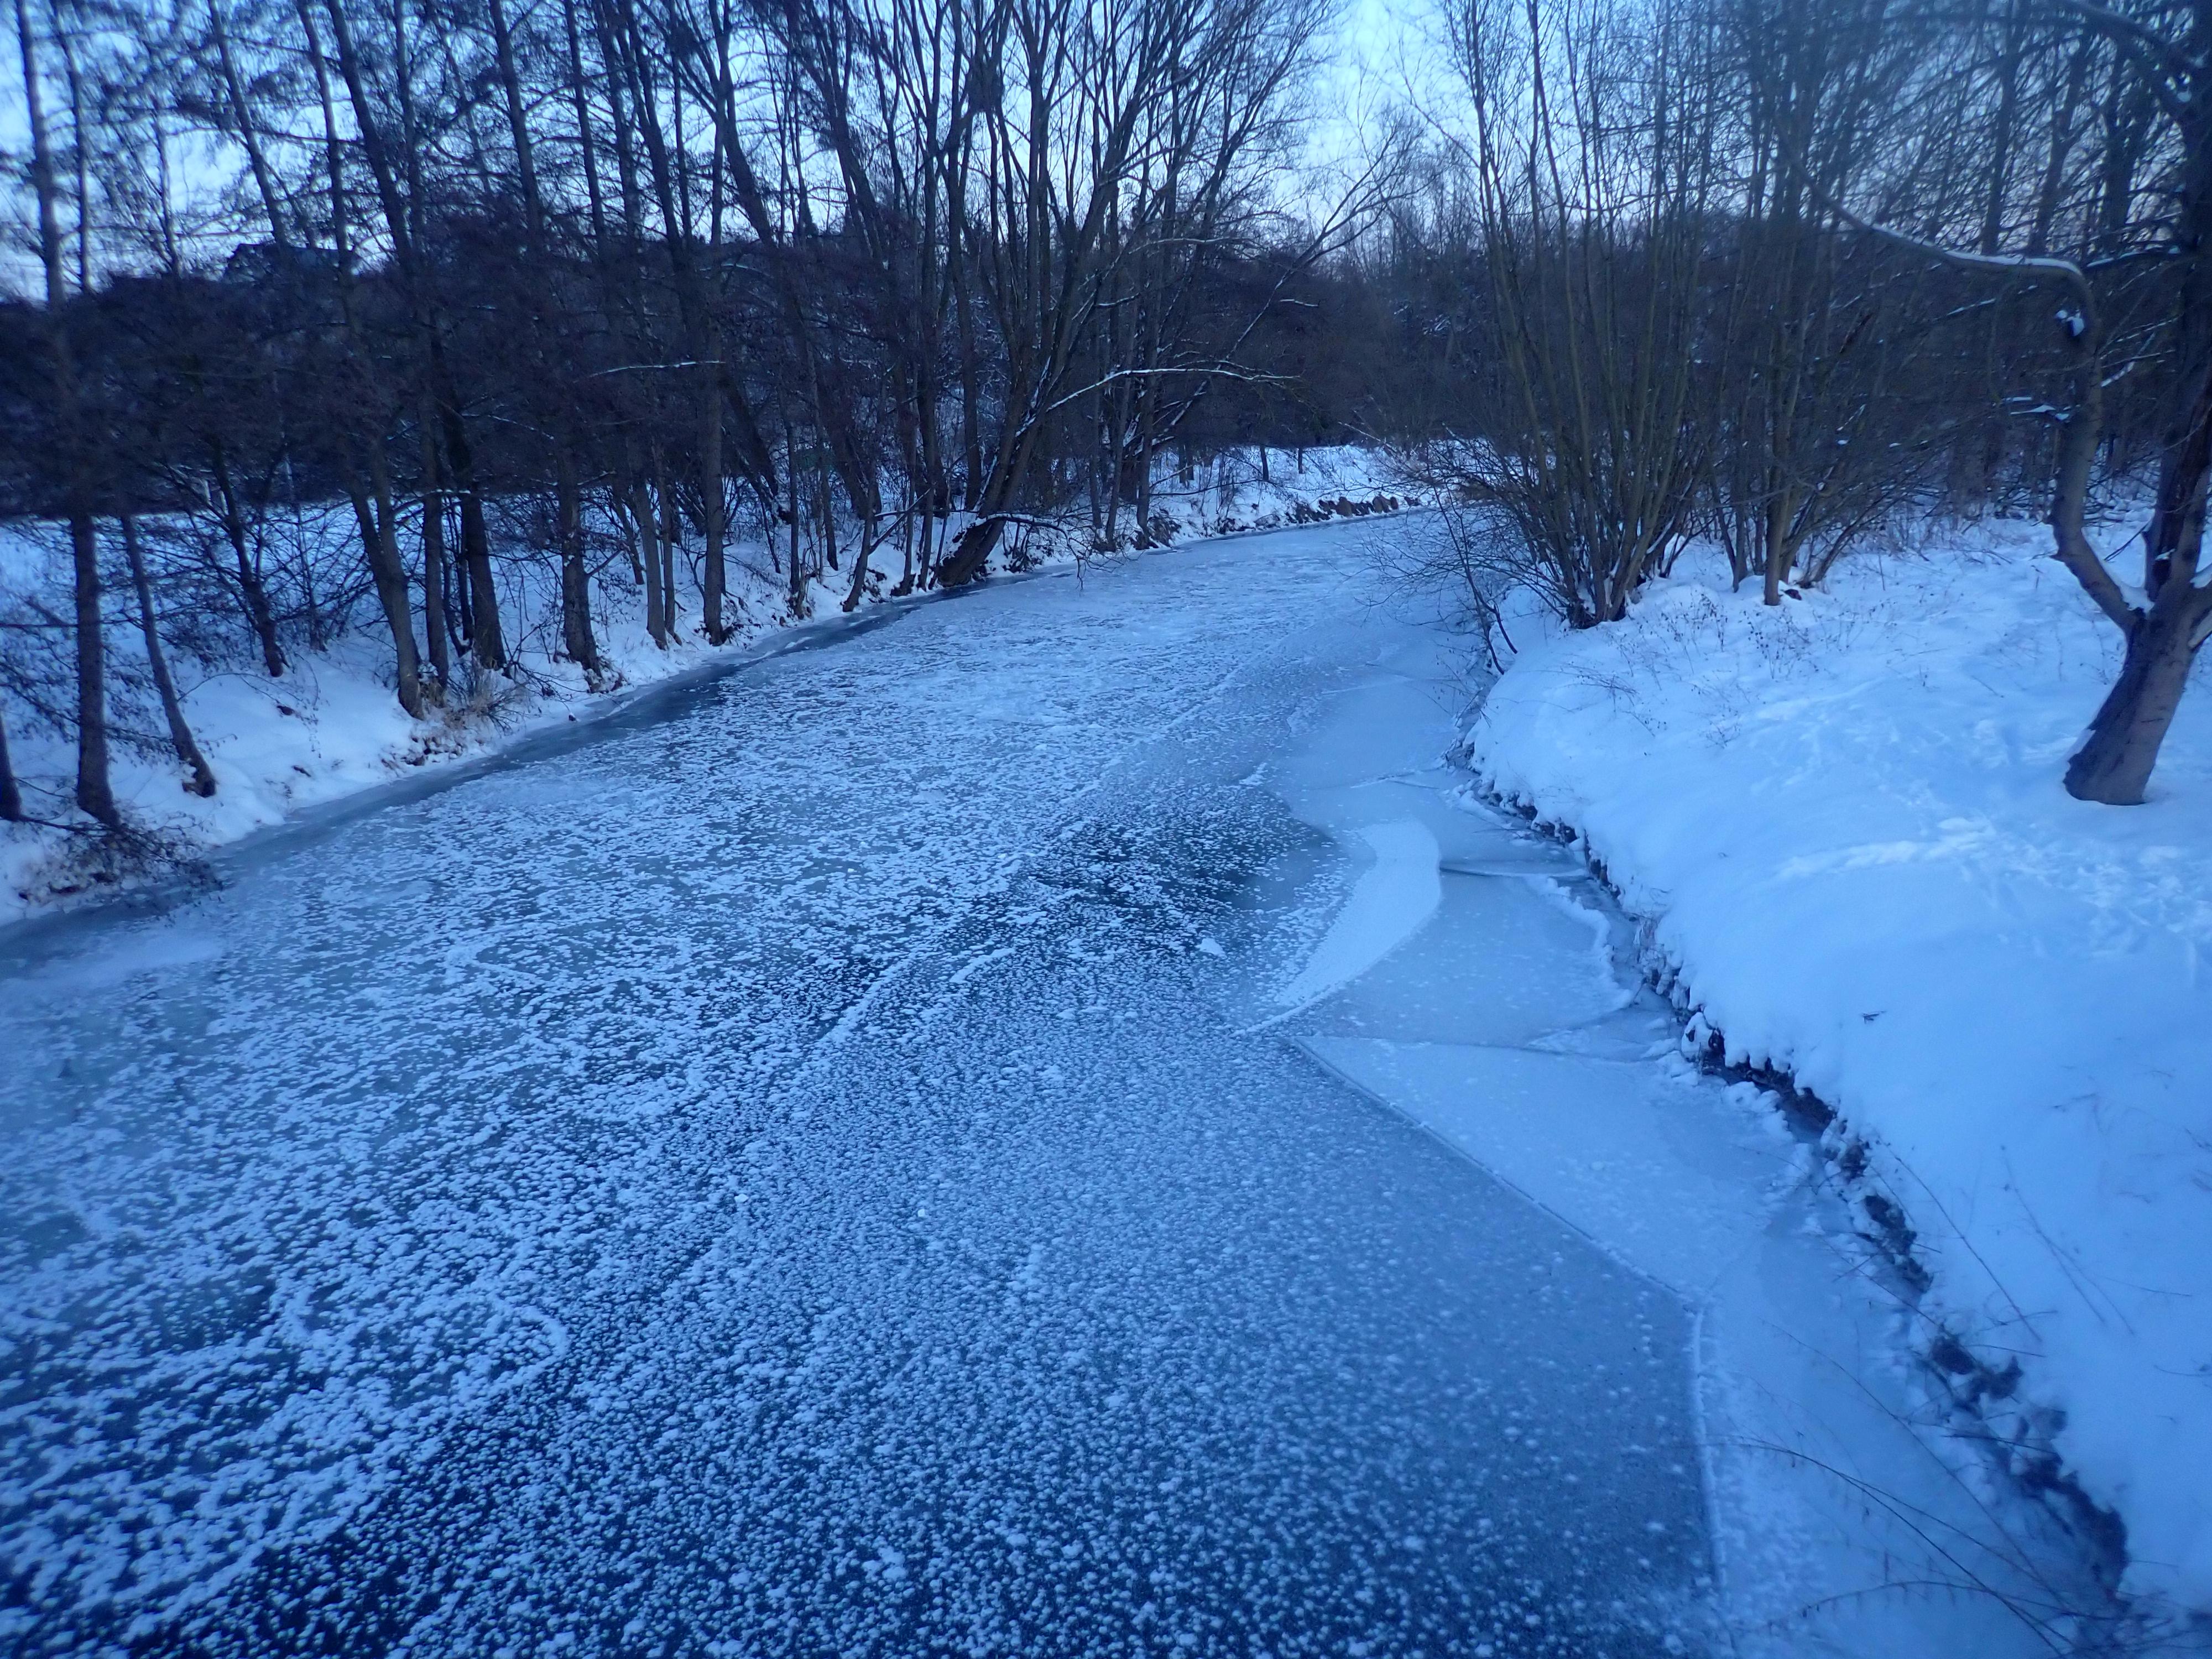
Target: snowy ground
{"points": [[330, 726], [1842, 824], [880, 1153]]}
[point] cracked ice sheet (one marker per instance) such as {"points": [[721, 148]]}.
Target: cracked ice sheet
{"points": [[1497, 1026], [772, 1175]]}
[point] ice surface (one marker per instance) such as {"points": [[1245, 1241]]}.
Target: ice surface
{"points": [[782, 1174], [820, 1164], [331, 730], [1391, 900], [1512, 1028]]}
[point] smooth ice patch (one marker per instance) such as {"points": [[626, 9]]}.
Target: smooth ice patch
{"points": [[157, 948], [1388, 905]]}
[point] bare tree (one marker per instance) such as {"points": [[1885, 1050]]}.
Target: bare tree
{"points": [[1814, 444], [94, 795], [1064, 97], [1591, 152], [11, 793], [2166, 621], [201, 780]]}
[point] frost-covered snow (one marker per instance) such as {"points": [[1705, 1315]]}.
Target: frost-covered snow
{"points": [[1842, 822], [331, 727]]}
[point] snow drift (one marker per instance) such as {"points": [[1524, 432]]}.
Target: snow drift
{"points": [[1842, 821]]}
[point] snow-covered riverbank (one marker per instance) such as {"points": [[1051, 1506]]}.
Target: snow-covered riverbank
{"points": [[1843, 823], [330, 726]]}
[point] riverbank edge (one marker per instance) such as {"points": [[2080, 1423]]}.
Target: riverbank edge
{"points": [[2024, 1458], [59, 872]]}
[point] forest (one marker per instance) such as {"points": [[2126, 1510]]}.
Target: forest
{"points": [[595, 290]]}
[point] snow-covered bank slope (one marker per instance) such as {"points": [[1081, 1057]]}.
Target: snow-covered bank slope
{"points": [[330, 726], [1842, 819]]}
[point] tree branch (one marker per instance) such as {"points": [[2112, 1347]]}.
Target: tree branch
{"points": [[2083, 422]]}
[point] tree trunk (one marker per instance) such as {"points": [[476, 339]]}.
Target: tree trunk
{"points": [[2001, 138], [94, 795], [248, 133], [485, 639], [12, 797], [434, 563], [484, 635], [259, 614], [656, 602], [461, 613], [971, 553], [672, 535], [1778, 554], [853, 594], [2113, 766], [390, 575], [575, 580], [714, 582], [373, 519], [157, 662], [971, 393], [794, 567]]}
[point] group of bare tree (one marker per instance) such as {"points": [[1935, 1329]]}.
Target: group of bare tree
{"points": [[871, 281], [869, 274], [1771, 271]]}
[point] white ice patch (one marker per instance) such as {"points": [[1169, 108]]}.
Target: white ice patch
{"points": [[1388, 906], [1562, 899], [152, 950]]}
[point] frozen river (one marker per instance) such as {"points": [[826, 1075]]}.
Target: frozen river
{"points": [[858, 1156]]}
